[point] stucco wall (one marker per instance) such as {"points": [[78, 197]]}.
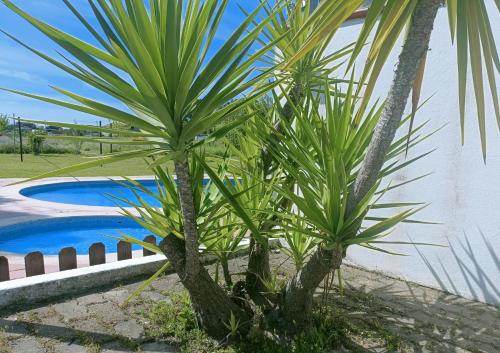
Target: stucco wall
{"points": [[463, 192]]}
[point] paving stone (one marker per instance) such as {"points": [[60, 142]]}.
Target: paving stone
{"points": [[71, 310], [13, 328], [107, 312], [167, 284], [40, 312], [64, 347], [116, 347], [27, 344], [94, 329], [95, 298], [117, 295], [429, 320], [130, 329], [156, 347], [153, 296], [53, 327]]}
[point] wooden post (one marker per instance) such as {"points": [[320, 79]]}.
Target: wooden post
{"points": [[149, 239], [67, 259], [4, 269], [20, 138], [34, 264], [124, 250], [97, 254]]}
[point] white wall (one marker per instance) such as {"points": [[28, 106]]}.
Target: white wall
{"points": [[463, 192]]}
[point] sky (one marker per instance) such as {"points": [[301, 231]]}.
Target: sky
{"points": [[22, 70]]}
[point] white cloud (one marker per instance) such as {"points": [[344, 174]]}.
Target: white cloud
{"points": [[22, 75]]}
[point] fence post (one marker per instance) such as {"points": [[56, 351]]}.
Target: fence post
{"points": [[100, 135], [34, 264], [124, 250], [67, 259], [20, 138], [97, 254], [110, 137], [4, 269], [149, 239]]}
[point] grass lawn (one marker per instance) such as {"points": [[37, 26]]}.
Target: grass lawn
{"points": [[11, 166]]}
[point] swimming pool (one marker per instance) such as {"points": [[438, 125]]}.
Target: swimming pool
{"points": [[51, 235], [90, 193]]}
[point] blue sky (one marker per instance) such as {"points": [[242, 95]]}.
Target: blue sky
{"points": [[22, 70]]}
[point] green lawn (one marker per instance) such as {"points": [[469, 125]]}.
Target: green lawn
{"points": [[11, 166]]}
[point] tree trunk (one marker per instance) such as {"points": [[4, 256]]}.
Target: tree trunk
{"points": [[258, 265], [189, 216], [414, 49], [297, 304], [298, 296], [212, 305], [226, 273], [258, 261]]}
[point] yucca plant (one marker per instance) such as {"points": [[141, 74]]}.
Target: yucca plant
{"points": [[293, 161], [298, 245], [291, 29], [156, 62], [470, 29], [322, 153], [469, 24], [253, 177]]}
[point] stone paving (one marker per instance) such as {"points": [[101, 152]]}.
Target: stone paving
{"points": [[426, 319]]}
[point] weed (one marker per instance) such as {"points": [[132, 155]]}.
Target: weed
{"points": [[175, 321], [4, 343]]}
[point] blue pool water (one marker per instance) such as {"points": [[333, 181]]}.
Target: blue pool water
{"points": [[51, 235], [90, 193]]}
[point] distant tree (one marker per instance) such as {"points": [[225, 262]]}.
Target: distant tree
{"points": [[37, 138], [4, 123]]}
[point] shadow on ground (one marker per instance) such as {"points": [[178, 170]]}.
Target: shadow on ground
{"points": [[479, 283], [384, 315], [425, 319]]}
